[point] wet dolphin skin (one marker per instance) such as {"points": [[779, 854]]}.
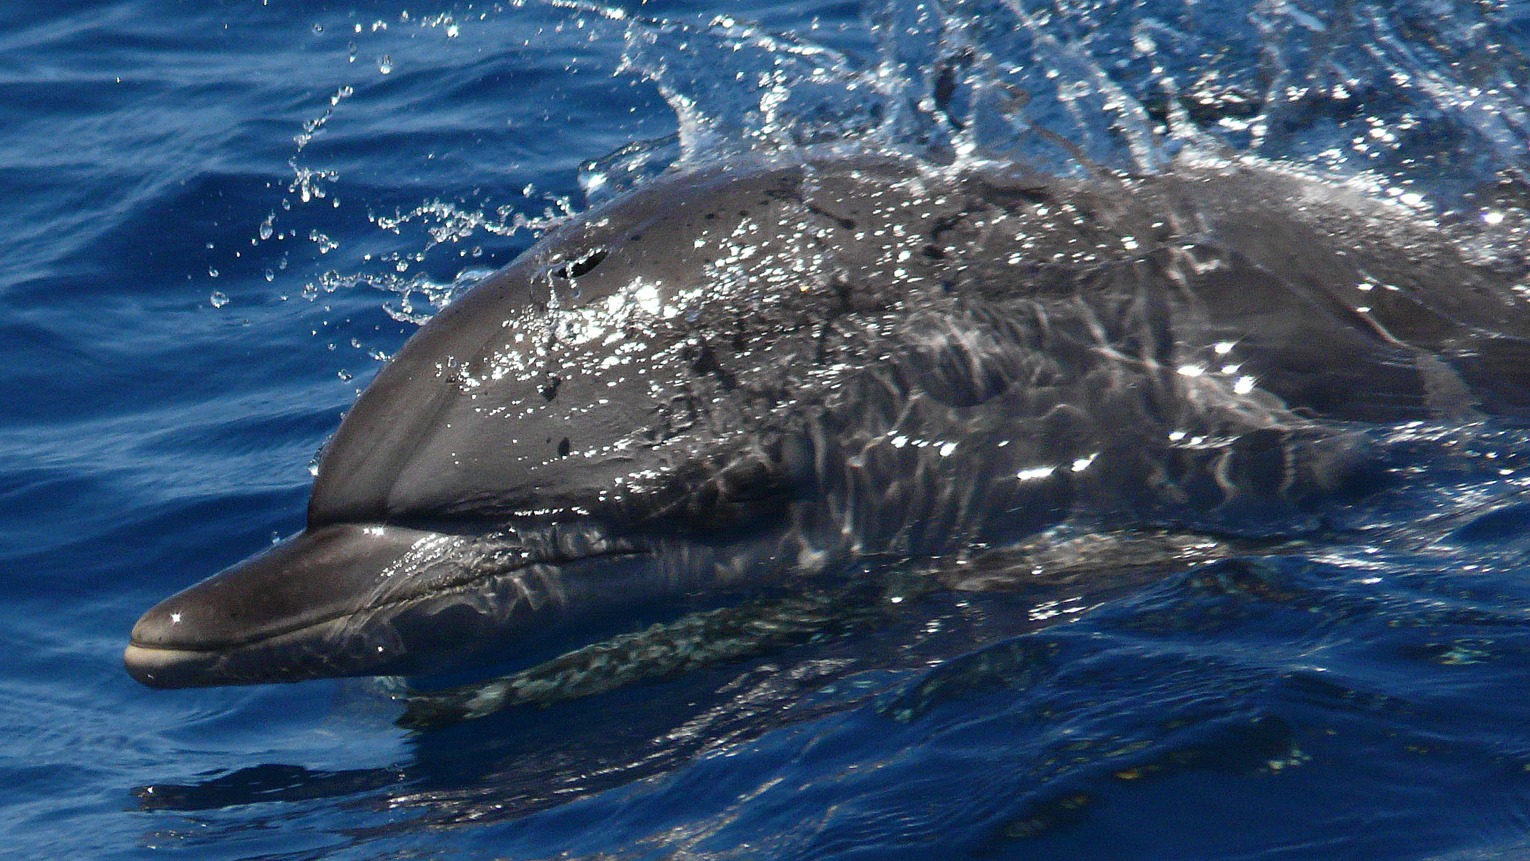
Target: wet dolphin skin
{"points": [[739, 376]]}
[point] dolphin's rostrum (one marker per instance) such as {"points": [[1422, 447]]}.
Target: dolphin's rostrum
{"points": [[742, 375]]}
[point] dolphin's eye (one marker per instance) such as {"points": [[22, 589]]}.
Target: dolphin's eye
{"points": [[580, 266], [746, 494], [747, 490]]}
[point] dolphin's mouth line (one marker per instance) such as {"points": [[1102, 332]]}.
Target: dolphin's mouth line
{"points": [[453, 587]]}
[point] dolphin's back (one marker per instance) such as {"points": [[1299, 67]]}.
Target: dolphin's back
{"points": [[732, 287]]}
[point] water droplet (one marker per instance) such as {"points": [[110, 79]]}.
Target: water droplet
{"points": [[218, 299], [211, 272], [318, 29], [385, 65], [345, 376]]}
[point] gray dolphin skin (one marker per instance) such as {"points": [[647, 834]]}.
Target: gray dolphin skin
{"points": [[741, 377]]}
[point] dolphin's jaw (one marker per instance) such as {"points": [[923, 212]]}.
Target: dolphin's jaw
{"points": [[439, 598], [312, 652]]}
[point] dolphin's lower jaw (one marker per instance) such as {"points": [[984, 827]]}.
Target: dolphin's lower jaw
{"points": [[390, 600], [318, 651]]}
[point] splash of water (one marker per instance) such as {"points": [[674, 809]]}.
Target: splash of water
{"points": [[1425, 107]]}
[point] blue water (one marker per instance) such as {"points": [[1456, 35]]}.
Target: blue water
{"points": [[217, 217]]}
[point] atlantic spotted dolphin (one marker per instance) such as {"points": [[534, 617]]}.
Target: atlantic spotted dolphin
{"points": [[740, 376]]}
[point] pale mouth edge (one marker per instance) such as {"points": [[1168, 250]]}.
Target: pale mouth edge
{"points": [[170, 667]]}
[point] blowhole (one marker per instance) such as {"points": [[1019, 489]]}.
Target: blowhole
{"points": [[581, 266]]}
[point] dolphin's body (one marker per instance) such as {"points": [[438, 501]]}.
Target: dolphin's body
{"points": [[738, 376]]}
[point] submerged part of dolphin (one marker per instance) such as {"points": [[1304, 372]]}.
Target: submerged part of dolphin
{"points": [[743, 375]]}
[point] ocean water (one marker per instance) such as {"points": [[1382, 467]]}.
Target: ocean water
{"points": [[219, 218]]}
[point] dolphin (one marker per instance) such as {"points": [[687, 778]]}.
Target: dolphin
{"points": [[744, 376]]}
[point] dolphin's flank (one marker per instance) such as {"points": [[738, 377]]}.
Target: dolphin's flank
{"points": [[739, 376]]}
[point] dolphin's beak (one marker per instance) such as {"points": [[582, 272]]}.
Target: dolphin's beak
{"points": [[292, 612]]}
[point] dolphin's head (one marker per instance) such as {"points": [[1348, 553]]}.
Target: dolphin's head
{"points": [[730, 375], [605, 422]]}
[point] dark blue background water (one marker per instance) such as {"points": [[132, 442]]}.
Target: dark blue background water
{"points": [[215, 217]]}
